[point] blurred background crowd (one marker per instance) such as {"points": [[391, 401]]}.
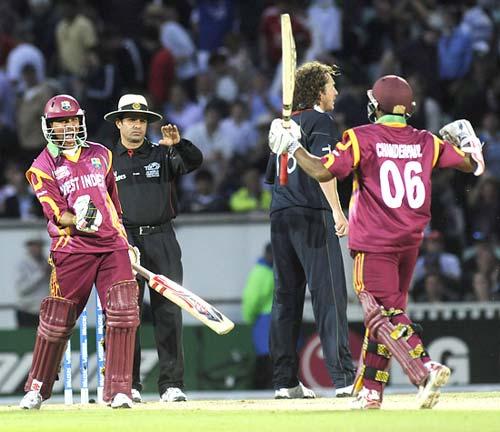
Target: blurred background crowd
{"points": [[212, 67]]}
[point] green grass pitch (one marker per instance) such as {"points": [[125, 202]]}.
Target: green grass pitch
{"points": [[456, 412]]}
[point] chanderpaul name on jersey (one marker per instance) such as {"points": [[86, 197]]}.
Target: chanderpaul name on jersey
{"points": [[399, 151]]}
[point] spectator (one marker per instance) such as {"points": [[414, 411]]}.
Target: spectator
{"points": [[436, 290], [251, 196], [322, 14], [75, 36], [161, 76], [100, 88], [486, 288], [477, 23], [212, 20], [484, 208], [205, 89], [427, 114], [210, 139], [435, 261], [260, 99], [8, 142], [204, 198], [25, 52], [447, 213], [16, 199], [240, 132], [179, 42], [226, 87], [411, 53], [29, 110], [380, 35], [182, 111], [270, 33], [454, 49], [32, 283], [482, 281], [256, 307], [490, 135]]}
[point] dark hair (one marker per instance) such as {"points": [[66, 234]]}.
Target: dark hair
{"points": [[310, 81]]}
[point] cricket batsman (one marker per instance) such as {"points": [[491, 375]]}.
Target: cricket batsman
{"points": [[390, 207], [74, 182]]}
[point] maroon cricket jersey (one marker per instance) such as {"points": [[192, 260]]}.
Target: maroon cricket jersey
{"points": [[60, 182], [391, 198]]}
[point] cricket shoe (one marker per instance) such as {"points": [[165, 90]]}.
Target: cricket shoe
{"points": [[136, 396], [428, 394], [344, 391], [300, 391], [173, 394], [121, 400], [367, 399], [31, 400]]}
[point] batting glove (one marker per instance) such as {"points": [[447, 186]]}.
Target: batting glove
{"points": [[284, 139], [87, 217], [461, 133]]}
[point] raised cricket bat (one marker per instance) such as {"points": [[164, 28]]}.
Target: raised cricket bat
{"points": [[187, 300], [288, 62]]}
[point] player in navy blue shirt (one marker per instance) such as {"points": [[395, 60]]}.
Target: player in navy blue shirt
{"points": [[306, 223]]}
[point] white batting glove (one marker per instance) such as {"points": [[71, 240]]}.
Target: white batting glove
{"points": [[461, 133], [283, 140], [87, 217], [457, 131], [135, 257]]}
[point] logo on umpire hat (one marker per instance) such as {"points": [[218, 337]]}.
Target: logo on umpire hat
{"points": [[132, 104]]}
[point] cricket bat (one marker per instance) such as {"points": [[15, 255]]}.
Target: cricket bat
{"points": [[187, 300], [288, 63]]}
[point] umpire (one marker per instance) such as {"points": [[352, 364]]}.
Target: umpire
{"points": [[306, 248], [145, 176]]}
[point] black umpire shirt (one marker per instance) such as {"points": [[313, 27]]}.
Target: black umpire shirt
{"points": [[146, 176]]}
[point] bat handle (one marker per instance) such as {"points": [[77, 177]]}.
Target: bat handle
{"points": [[144, 272], [284, 169]]}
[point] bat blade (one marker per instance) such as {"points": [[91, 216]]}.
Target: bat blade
{"points": [[289, 62], [187, 300]]}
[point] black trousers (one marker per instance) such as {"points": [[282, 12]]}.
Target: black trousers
{"points": [[306, 250], [160, 253]]}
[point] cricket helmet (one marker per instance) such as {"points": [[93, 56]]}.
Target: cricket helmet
{"points": [[60, 107], [392, 95]]}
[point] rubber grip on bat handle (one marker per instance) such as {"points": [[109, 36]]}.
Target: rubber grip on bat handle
{"points": [[284, 169]]}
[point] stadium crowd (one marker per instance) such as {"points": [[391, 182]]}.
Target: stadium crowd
{"points": [[212, 67]]}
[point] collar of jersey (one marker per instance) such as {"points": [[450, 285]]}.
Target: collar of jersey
{"points": [[142, 149], [392, 120], [75, 157]]}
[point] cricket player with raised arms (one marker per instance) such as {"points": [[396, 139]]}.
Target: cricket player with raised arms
{"points": [[390, 207]]}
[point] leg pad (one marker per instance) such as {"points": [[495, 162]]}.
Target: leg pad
{"points": [[122, 320], [384, 331], [57, 319]]}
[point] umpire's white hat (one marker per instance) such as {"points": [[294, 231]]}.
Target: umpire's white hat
{"points": [[132, 103]]}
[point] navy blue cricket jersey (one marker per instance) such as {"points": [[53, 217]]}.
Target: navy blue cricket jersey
{"points": [[319, 136]]}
